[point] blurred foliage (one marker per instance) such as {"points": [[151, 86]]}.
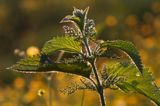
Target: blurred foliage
{"points": [[26, 24]]}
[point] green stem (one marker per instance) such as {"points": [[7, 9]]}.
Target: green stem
{"points": [[99, 85], [88, 50]]}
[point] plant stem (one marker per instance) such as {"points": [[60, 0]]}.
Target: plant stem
{"points": [[49, 78], [99, 85], [82, 99], [88, 50]]}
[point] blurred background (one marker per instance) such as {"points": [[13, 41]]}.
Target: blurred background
{"points": [[25, 25]]}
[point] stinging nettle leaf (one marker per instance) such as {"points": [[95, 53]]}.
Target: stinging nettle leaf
{"points": [[78, 17], [134, 81], [128, 48], [65, 43], [34, 65]]}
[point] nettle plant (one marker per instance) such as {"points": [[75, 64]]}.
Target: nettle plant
{"points": [[122, 67]]}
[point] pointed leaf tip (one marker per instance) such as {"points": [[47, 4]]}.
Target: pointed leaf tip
{"points": [[128, 48], [144, 85], [34, 65]]}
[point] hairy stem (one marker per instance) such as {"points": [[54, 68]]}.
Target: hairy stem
{"points": [[88, 50], [99, 85]]}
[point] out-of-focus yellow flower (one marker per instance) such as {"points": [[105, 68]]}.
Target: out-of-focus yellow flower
{"points": [[150, 42], [19, 83], [131, 20], [111, 21], [31, 51]]}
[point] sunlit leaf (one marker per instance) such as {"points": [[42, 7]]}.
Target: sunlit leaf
{"points": [[66, 43], [78, 17], [134, 81], [128, 49], [33, 65]]}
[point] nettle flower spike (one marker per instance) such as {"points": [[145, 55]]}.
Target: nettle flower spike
{"points": [[71, 31], [90, 29]]}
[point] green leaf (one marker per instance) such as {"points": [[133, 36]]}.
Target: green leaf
{"points": [[134, 81], [78, 17], [34, 65], [128, 48], [66, 43]]}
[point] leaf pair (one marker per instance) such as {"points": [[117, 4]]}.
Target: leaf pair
{"points": [[68, 44]]}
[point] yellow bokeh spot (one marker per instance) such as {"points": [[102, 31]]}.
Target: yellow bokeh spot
{"points": [[31, 51], [150, 42], [119, 102], [19, 83], [111, 21]]}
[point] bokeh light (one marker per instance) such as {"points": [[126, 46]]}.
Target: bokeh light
{"points": [[26, 23], [111, 21], [31, 51]]}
